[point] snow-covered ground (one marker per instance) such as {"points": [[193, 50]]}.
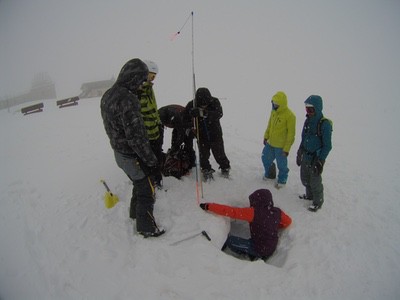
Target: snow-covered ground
{"points": [[58, 241]]}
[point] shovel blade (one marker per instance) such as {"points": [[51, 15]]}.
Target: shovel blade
{"points": [[110, 200]]}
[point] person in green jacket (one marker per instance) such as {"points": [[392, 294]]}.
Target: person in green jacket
{"points": [[151, 118], [279, 138]]}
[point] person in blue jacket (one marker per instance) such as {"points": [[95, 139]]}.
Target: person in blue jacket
{"points": [[316, 143]]}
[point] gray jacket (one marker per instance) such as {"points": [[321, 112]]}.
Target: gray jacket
{"points": [[120, 110]]}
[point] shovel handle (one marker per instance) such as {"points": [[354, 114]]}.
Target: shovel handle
{"points": [[105, 185], [206, 235]]}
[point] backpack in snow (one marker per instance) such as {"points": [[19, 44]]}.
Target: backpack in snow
{"points": [[176, 163]]}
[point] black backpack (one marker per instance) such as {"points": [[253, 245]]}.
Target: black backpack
{"points": [[177, 163]]}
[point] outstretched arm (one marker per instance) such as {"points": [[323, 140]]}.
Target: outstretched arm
{"points": [[245, 214], [285, 220]]}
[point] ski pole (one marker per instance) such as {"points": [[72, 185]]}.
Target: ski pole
{"points": [[204, 233], [199, 185]]}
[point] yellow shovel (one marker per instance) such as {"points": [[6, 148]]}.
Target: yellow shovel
{"points": [[109, 198]]}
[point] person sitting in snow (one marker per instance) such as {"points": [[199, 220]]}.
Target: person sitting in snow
{"points": [[264, 218]]}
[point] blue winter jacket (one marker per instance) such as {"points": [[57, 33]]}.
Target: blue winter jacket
{"points": [[314, 146]]}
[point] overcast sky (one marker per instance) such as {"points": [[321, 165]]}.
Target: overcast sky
{"points": [[336, 48]]}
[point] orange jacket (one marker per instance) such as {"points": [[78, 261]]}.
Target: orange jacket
{"points": [[245, 213]]}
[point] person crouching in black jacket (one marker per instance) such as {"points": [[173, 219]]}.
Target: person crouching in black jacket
{"points": [[172, 116]]}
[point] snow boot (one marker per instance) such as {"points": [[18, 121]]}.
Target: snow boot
{"points": [[225, 172], [304, 197], [156, 233], [278, 185], [314, 207], [208, 175]]}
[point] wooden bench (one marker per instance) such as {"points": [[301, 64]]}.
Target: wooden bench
{"points": [[32, 109], [68, 102]]}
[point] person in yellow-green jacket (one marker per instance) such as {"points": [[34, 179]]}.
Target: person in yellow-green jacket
{"points": [[151, 118], [279, 138]]}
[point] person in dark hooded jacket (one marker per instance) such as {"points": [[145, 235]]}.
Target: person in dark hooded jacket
{"points": [[208, 110], [316, 143], [123, 123], [265, 219]]}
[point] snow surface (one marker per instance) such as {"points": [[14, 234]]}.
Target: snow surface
{"points": [[58, 241]]}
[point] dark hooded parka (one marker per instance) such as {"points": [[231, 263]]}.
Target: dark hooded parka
{"points": [[316, 143], [316, 146], [210, 131], [120, 110]]}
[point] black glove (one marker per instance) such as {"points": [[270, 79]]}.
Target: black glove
{"points": [[148, 170], [194, 112], [318, 167], [153, 172], [299, 156], [204, 206]]}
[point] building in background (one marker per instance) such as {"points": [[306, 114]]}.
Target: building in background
{"points": [[42, 88], [95, 88]]}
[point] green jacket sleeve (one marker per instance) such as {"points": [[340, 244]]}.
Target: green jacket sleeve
{"points": [[291, 133]]}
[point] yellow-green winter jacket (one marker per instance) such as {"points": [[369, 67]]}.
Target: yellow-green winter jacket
{"points": [[149, 111], [281, 129]]}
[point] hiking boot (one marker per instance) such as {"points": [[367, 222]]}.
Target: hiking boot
{"points": [[225, 172], [156, 233], [267, 178], [208, 174], [314, 207]]}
